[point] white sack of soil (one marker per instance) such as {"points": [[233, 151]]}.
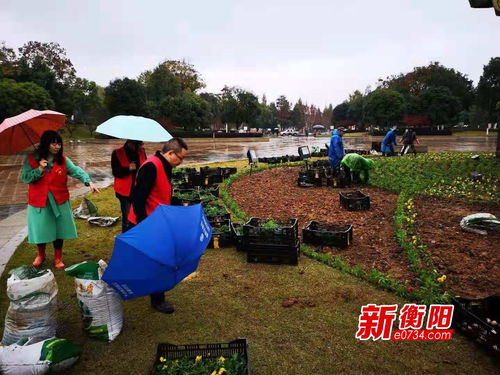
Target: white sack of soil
{"points": [[32, 310], [35, 356], [100, 306]]}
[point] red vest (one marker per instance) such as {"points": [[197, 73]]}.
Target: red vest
{"points": [[55, 181], [161, 193], [124, 185]]}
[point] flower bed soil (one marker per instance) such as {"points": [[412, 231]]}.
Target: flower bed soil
{"points": [[274, 193], [471, 262]]}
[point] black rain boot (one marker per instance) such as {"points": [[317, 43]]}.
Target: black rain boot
{"points": [[159, 303]]}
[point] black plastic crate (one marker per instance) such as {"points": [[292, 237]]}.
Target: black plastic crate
{"points": [[354, 201], [219, 217], [207, 171], [286, 233], [228, 171], [179, 197], [219, 240], [321, 163], [237, 236], [191, 351], [272, 253], [336, 182], [473, 318], [326, 234], [207, 197], [214, 190]]}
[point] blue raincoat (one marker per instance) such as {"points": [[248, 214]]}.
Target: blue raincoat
{"points": [[336, 149], [389, 141]]}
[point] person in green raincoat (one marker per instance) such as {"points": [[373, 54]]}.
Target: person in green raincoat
{"points": [[49, 211], [355, 165]]}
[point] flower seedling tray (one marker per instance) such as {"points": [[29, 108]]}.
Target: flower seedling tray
{"points": [[221, 234], [271, 231], [272, 253], [474, 318], [326, 234], [354, 201], [191, 351], [237, 236]]}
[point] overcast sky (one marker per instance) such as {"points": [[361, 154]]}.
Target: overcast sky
{"points": [[318, 50]]}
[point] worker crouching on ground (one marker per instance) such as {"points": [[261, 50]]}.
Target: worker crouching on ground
{"points": [[357, 168]]}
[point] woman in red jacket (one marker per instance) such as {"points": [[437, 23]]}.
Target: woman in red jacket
{"points": [[49, 211]]}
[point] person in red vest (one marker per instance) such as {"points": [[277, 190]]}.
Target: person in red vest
{"points": [[152, 188], [125, 161], [50, 218]]}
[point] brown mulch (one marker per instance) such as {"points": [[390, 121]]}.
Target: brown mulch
{"points": [[274, 193], [471, 262]]}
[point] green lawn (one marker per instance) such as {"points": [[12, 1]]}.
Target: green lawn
{"points": [[229, 298]]}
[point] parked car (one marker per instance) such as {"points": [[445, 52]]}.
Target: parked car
{"points": [[289, 132]]}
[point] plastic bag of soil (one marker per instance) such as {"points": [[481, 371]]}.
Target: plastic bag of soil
{"points": [[100, 307], [33, 305], [480, 223], [86, 209], [38, 356], [103, 221]]}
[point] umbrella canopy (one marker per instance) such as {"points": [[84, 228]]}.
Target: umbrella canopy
{"points": [[159, 252], [136, 128], [21, 131], [318, 127]]}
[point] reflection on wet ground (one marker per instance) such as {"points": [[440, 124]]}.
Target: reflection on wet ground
{"points": [[94, 156]]}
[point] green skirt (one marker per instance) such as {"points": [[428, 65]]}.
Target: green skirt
{"points": [[50, 223]]}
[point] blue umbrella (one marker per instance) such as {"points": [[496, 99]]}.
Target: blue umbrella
{"points": [[136, 128], [159, 252]]}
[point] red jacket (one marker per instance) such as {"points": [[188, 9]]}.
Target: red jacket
{"points": [[55, 181], [123, 186], [161, 192]]}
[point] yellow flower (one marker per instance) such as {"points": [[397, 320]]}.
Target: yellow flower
{"points": [[198, 358], [162, 359], [441, 279], [221, 359], [222, 370], [164, 367], [214, 372]]}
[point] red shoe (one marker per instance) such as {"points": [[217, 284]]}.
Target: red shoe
{"points": [[58, 262], [40, 258]]}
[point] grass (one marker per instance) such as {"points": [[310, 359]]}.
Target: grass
{"points": [[229, 298]]}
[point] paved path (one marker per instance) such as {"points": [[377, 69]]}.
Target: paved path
{"points": [[13, 229]]}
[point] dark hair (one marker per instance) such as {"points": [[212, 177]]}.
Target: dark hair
{"points": [[176, 144], [48, 137]]}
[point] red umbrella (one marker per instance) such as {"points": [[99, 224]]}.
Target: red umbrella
{"points": [[21, 131]]}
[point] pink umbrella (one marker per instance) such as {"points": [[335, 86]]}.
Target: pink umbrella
{"points": [[21, 131]]}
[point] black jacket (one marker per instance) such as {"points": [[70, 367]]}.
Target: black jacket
{"points": [[146, 179]]}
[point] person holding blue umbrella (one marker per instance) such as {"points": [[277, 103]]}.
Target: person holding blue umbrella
{"points": [[125, 161], [152, 188]]}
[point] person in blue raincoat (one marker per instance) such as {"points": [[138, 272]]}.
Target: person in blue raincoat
{"points": [[389, 142], [336, 149]]}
